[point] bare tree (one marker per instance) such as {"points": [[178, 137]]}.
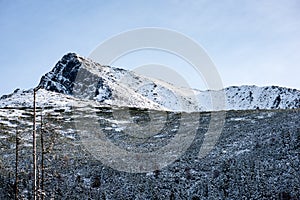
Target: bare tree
{"points": [[34, 145], [17, 163], [34, 186], [48, 139]]}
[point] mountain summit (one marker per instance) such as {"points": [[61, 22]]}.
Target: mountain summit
{"points": [[85, 79], [77, 79]]}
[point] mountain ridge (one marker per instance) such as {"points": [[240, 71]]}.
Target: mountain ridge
{"points": [[77, 79]]}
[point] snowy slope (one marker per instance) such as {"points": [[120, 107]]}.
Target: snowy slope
{"points": [[24, 98], [78, 81], [253, 97]]}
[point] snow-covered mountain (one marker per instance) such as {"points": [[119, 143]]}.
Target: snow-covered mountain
{"points": [[252, 97], [78, 81], [85, 79]]}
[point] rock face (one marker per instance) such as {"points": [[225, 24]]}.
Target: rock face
{"points": [[62, 77]]}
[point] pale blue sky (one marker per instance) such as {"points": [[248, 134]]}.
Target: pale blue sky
{"points": [[251, 42]]}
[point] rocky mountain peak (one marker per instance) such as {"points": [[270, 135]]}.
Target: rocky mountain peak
{"points": [[61, 78]]}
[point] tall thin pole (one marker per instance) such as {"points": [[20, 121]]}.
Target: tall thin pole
{"points": [[43, 151], [17, 162], [34, 146]]}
